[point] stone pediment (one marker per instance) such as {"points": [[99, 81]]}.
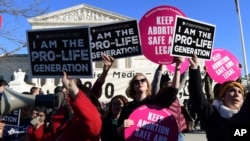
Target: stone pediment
{"points": [[78, 15]]}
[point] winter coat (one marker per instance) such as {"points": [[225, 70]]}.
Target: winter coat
{"points": [[84, 126]]}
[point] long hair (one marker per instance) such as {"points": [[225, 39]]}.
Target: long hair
{"points": [[109, 112], [130, 91]]}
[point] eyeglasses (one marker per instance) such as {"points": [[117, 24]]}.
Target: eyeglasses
{"points": [[141, 80]]}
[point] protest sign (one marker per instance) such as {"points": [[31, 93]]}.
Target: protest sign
{"points": [[156, 30], [192, 36], [13, 118], [53, 51], [223, 66], [118, 40], [152, 123]]}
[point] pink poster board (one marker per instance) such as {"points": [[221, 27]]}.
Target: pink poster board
{"points": [[156, 31], [223, 66], [152, 123]]}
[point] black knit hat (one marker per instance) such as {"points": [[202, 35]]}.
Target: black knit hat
{"points": [[3, 83]]}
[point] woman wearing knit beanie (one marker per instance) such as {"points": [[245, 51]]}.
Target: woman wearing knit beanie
{"points": [[222, 116]]}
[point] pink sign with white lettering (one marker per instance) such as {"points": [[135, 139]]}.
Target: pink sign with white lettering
{"points": [[223, 66], [156, 30], [152, 123]]}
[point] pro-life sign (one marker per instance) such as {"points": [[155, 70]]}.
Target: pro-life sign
{"points": [[118, 40], [192, 36], [53, 51], [13, 118]]}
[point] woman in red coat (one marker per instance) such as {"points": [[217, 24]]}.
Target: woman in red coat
{"points": [[84, 125]]}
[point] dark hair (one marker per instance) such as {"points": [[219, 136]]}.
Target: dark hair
{"points": [[27, 93], [78, 81], [58, 89], [32, 89], [3, 83], [165, 78], [124, 100], [216, 90]]}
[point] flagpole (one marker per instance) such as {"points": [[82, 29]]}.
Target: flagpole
{"points": [[242, 39]]}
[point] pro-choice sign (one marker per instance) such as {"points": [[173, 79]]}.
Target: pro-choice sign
{"points": [[152, 123], [193, 37], [53, 51]]}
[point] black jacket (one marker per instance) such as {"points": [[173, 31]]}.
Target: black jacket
{"points": [[217, 128]]}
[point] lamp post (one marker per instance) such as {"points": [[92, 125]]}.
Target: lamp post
{"points": [[242, 39]]}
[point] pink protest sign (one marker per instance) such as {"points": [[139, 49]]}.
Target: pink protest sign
{"points": [[223, 66], [184, 66], [156, 30], [152, 123]]}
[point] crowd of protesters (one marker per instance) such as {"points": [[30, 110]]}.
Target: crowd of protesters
{"points": [[79, 114]]}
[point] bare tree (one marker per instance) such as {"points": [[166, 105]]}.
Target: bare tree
{"points": [[18, 9]]}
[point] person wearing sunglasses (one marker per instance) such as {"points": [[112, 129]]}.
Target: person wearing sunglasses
{"points": [[139, 90]]}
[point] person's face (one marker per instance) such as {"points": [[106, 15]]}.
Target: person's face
{"points": [[65, 93], [140, 84], [34, 114], [36, 92], [233, 98], [117, 105]]}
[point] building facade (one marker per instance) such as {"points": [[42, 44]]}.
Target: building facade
{"points": [[119, 75]]}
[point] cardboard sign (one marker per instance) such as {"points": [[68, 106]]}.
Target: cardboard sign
{"points": [[53, 51], [223, 66], [118, 40], [152, 123], [192, 36], [156, 29], [13, 118]]}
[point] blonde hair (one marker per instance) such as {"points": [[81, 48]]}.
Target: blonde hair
{"points": [[130, 91]]}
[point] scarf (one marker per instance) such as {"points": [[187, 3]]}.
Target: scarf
{"points": [[223, 110]]}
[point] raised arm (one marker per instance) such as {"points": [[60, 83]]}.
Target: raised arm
{"points": [[177, 74], [107, 64], [83, 108], [156, 80]]}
